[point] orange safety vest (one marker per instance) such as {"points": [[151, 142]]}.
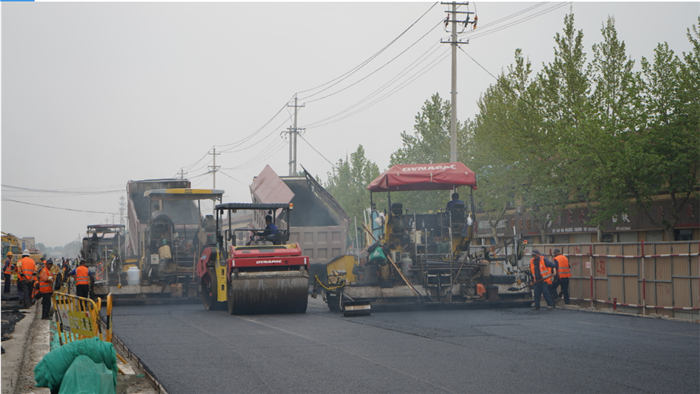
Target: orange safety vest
{"points": [[44, 281], [563, 271], [28, 269], [8, 269], [81, 276], [544, 270]]}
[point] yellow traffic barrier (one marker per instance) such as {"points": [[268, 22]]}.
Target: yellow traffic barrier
{"points": [[79, 318]]}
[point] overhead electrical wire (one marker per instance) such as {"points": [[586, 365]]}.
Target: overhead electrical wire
{"points": [[367, 61], [380, 67], [326, 121], [275, 147], [479, 64], [64, 209], [399, 75], [320, 154], [69, 191], [482, 33], [246, 139], [396, 89], [233, 178]]}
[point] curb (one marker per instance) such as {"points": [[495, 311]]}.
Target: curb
{"points": [[572, 307], [12, 366]]}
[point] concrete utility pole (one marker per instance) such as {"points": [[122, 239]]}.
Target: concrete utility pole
{"points": [[293, 131], [452, 18], [214, 168]]}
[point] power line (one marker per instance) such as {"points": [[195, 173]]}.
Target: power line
{"points": [[398, 76], [233, 178], [470, 56], [413, 78], [64, 209], [516, 22], [364, 63], [320, 154], [73, 192], [381, 67]]}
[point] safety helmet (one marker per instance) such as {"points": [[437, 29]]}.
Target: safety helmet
{"points": [[9, 253], [25, 253]]}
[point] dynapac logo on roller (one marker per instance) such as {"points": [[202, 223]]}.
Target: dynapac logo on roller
{"points": [[453, 166], [268, 262]]}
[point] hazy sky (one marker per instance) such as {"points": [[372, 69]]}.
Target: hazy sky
{"points": [[97, 94]]}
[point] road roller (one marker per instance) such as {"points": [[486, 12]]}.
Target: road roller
{"points": [[252, 268]]}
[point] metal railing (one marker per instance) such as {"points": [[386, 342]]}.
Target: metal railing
{"points": [[79, 318], [650, 276]]}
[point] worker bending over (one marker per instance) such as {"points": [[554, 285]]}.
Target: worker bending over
{"points": [[563, 274], [542, 274]]}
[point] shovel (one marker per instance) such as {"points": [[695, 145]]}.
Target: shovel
{"points": [[531, 284]]}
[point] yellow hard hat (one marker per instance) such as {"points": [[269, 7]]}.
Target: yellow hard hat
{"points": [[9, 253]]}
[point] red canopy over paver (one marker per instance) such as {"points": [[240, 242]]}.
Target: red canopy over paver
{"points": [[440, 176]]}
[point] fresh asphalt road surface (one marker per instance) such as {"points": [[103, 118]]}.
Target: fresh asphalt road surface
{"points": [[191, 350]]}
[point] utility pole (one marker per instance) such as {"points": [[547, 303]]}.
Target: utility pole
{"points": [[293, 131], [214, 168], [122, 209], [452, 18], [182, 173]]}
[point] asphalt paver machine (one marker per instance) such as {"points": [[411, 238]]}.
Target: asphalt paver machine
{"points": [[423, 258]]}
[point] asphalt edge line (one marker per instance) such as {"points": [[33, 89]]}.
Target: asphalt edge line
{"points": [[140, 365]]}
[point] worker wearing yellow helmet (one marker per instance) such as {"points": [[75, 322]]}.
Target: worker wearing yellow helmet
{"points": [[7, 272]]}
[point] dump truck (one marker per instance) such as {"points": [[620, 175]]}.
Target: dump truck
{"points": [[167, 231], [252, 269], [424, 258]]}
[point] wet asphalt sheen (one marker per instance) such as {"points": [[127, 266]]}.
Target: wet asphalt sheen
{"points": [[191, 350]]}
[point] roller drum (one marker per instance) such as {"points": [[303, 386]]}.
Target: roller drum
{"points": [[278, 292]]}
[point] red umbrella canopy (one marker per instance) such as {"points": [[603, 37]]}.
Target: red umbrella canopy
{"points": [[440, 176]]}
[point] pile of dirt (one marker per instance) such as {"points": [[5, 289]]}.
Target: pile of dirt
{"points": [[11, 314]]}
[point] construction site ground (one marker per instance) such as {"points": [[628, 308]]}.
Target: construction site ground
{"points": [[188, 349], [26, 340]]}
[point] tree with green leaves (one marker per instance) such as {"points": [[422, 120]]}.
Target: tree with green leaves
{"points": [[348, 182], [499, 135], [429, 144], [667, 150]]}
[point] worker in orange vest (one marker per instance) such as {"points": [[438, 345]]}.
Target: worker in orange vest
{"points": [[542, 274], [563, 275], [82, 280], [26, 269], [46, 289], [7, 272]]}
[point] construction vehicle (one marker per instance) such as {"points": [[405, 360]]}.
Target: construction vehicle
{"points": [[424, 258], [249, 269], [102, 249], [11, 243], [167, 231]]}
